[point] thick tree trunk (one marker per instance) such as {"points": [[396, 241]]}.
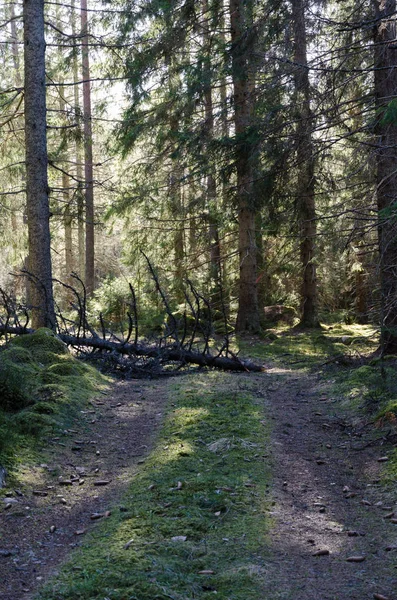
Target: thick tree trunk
{"points": [[306, 166], [386, 161], [88, 159], [248, 311], [38, 213]]}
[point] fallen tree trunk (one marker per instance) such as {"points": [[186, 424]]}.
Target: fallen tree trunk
{"points": [[171, 353]]}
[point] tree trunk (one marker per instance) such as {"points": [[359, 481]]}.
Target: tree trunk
{"points": [[88, 160], [248, 311], [215, 275], [306, 165], [19, 83], [386, 162], [79, 158], [38, 212]]}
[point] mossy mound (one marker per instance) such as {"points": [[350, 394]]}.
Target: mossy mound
{"points": [[42, 339], [41, 385]]}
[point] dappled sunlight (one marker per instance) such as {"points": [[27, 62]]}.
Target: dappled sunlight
{"points": [[328, 529], [196, 502]]}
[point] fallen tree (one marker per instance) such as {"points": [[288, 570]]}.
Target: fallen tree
{"points": [[179, 345]]}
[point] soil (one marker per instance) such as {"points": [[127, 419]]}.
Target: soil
{"points": [[328, 499], [326, 494]]}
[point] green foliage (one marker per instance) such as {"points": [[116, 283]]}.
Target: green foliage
{"points": [[390, 113], [212, 443]]}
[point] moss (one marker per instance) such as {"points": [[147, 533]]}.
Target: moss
{"points": [[17, 354], [44, 339], [41, 386], [16, 385], [29, 422], [67, 368]]}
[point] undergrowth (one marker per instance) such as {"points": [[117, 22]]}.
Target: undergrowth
{"points": [[194, 516], [41, 385]]}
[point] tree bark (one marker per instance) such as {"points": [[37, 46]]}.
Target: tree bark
{"points": [[19, 83], [215, 275], [386, 161], [88, 159], [248, 311], [78, 150], [306, 167], [37, 190]]}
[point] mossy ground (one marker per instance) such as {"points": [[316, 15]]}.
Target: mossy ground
{"points": [[197, 505], [41, 386]]}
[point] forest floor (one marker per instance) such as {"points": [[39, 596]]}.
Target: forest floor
{"points": [[331, 526]]}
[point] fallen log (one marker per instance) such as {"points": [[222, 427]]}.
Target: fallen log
{"points": [[171, 353]]}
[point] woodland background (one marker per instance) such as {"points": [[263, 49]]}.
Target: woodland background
{"points": [[246, 147]]}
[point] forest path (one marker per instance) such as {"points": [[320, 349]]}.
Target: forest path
{"points": [[325, 484], [86, 471], [327, 498]]}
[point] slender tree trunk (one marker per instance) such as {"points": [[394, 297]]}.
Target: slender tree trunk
{"points": [[79, 156], [248, 311], [306, 165], [88, 160], [386, 162], [19, 83], [66, 187], [215, 274], [38, 213]]}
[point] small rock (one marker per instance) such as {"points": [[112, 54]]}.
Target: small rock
{"points": [[355, 559], [366, 503], [65, 482], [179, 538], [80, 531], [383, 459], [380, 597], [323, 552], [389, 515], [128, 544], [394, 520], [53, 529], [5, 553], [40, 493], [101, 482]]}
